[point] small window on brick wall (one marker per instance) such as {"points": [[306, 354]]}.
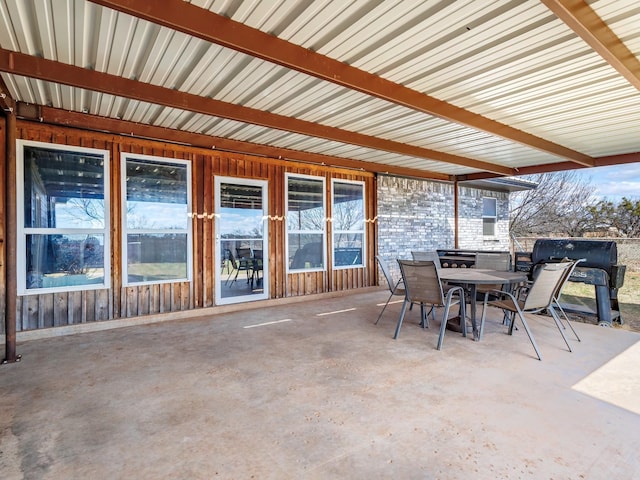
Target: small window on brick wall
{"points": [[489, 216]]}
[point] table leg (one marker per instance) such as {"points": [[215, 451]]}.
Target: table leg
{"points": [[472, 302]]}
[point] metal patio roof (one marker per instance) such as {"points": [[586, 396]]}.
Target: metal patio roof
{"points": [[450, 90]]}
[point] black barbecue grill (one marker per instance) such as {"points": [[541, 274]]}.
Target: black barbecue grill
{"points": [[600, 268]]}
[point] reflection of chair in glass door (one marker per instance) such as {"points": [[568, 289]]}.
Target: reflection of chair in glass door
{"points": [[244, 263], [256, 277], [228, 262], [231, 265]]}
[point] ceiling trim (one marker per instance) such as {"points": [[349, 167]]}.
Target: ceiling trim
{"points": [[49, 70], [56, 116], [586, 23], [198, 22]]}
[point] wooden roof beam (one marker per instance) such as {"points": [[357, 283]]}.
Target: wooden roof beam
{"points": [[586, 23], [49, 70], [606, 161], [198, 22], [55, 116]]}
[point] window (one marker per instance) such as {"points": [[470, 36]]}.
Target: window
{"points": [[348, 223], [156, 224], [306, 220], [63, 218], [489, 216]]}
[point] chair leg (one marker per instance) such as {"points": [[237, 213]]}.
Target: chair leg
{"points": [[430, 312], [505, 315], [526, 329], [383, 309], [559, 325], [566, 319], [463, 314], [445, 316], [404, 309], [443, 325], [484, 314], [424, 315]]}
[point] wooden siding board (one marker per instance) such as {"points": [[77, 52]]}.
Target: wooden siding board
{"points": [[75, 307], [197, 229], [101, 305], [131, 297], [29, 312], [90, 305], [143, 300], [154, 298], [116, 233], [208, 269], [60, 309]]}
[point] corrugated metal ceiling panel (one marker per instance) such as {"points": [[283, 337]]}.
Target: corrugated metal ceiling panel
{"points": [[510, 60]]}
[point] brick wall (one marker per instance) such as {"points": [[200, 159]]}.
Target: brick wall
{"points": [[416, 214]]}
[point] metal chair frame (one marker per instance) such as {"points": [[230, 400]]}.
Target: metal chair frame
{"points": [[539, 297], [423, 286], [395, 287]]}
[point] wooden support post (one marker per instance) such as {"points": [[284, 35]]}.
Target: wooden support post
{"points": [[10, 224], [456, 233]]}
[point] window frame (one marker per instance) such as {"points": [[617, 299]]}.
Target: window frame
{"points": [[334, 231], [323, 232], [22, 232], [490, 217], [124, 157]]}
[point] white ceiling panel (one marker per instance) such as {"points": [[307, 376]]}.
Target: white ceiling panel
{"points": [[520, 87]]}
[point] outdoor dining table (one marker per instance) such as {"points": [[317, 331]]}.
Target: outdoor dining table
{"points": [[470, 278]]}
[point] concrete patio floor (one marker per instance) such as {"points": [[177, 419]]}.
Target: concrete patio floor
{"points": [[314, 390]]}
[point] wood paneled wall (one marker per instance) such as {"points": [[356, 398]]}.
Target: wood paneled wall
{"points": [[49, 310]]}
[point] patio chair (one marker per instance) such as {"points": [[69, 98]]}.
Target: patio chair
{"points": [[556, 297], [428, 256], [493, 260], [395, 287], [500, 261], [423, 286], [538, 297]]}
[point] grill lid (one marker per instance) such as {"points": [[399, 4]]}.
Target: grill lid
{"points": [[597, 253]]}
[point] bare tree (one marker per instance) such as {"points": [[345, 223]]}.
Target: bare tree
{"points": [[624, 216], [559, 205]]}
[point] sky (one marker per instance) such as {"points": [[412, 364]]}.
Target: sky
{"points": [[613, 183]]}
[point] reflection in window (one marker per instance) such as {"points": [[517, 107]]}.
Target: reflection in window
{"points": [[63, 218], [156, 219], [489, 216], [348, 223], [305, 222]]}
